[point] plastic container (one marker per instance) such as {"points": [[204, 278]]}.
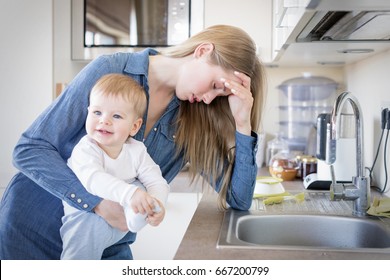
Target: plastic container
{"points": [[275, 146], [301, 100]]}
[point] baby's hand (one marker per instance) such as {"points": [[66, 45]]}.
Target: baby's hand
{"points": [[158, 214], [141, 202]]}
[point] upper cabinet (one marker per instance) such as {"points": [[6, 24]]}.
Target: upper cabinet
{"points": [[331, 32], [286, 15]]}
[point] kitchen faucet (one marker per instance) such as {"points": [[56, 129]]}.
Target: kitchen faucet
{"points": [[359, 190]]}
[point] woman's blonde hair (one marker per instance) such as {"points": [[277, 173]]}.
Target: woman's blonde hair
{"points": [[120, 85], [206, 133]]}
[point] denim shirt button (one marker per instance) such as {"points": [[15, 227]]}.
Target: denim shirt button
{"points": [[79, 200], [85, 206], [155, 129], [72, 195], [173, 136]]}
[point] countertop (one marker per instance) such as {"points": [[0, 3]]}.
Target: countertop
{"points": [[200, 239]]}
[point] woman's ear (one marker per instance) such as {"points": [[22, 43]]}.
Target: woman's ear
{"points": [[135, 127], [203, 49]]}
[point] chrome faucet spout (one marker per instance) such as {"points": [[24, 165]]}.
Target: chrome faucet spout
{"points": [[359, 190]]}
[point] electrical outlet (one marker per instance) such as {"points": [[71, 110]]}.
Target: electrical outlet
{"points": [[385, 115]]}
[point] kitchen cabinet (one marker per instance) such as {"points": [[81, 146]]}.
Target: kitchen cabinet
{"points": [[286, 14]]}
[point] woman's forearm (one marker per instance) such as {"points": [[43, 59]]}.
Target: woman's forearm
{"points": [[244, 173]]}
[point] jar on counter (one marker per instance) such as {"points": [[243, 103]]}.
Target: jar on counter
{"points": [[283, 166], [275, 146], [307, 165]]}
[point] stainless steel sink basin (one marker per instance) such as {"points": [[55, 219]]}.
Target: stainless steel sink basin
{"points": [[252, 229]]}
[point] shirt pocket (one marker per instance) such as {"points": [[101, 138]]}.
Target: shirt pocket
{"points": [[169, 132], [162, 149]]}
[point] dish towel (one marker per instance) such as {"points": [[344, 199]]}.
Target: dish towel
{"points": [[380, 207]]}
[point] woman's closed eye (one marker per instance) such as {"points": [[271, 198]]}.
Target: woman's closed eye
{"points": [[220, 89]]}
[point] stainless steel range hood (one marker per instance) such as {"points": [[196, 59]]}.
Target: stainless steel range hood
{"points": [[344, 20], [346, 26], [335, 32]]}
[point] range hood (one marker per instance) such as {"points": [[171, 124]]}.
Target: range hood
{"points": [[344, 20], [334, 33]]}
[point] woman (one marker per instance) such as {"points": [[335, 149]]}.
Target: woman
{"points": [[204, 101]]}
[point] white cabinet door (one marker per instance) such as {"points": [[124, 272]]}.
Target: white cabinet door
{"points": [[286, 14]]}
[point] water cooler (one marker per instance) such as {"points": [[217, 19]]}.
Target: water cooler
{"points": [[301, 100]]}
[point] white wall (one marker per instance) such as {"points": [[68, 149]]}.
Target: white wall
{"points": [[254, 16], [369, 81], [64, 68], [26, 30], [35, 55]]}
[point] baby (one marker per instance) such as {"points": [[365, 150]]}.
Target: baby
{"points": [[112, 165]]}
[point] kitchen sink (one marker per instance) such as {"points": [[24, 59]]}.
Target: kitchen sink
{"points": [[304, 231]]}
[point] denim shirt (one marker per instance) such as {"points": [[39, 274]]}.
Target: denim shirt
{"points": [[43, 149]]}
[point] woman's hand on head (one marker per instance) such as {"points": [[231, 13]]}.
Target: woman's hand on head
{"points": [[112, 212], [240, 101]]}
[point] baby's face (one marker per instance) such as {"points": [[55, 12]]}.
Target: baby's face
{"points": [[111, 120]]}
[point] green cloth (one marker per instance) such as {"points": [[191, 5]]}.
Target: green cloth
{"points": [[279, 198], [380, 207]]}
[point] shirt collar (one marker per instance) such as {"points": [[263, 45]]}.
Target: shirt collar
{"points": [[138, 62]]}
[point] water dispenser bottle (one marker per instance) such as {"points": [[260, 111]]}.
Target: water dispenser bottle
{"points": [[301, 100]]}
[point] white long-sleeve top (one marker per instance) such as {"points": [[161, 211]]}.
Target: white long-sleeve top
{"points": [[111, 178]]}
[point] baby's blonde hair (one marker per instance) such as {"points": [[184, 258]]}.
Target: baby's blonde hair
{"points": [[206, 133], [120, 85]]}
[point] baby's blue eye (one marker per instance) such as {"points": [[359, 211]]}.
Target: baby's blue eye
{"points": [[97, 113], [116, 116]]}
